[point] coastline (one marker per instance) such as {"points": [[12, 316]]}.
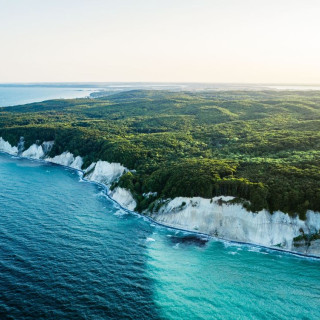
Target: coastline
{"points": [[83, 173]]}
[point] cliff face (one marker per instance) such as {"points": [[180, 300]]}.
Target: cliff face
{"points": [[105, 172], [216, 217], [66, 159], [6, 147], [232, 222]]}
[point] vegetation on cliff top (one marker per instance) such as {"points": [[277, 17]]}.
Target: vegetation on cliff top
{"points": [[261, 146]]}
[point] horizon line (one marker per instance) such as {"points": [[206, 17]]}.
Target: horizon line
{"points": [[160, 82]]}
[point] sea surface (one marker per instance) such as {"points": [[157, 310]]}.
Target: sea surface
{"points": [[69, 252], [16, 94], [21, 94]]}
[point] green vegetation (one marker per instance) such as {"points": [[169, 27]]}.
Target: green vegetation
{"points": [[306, 239], [260, 146]]}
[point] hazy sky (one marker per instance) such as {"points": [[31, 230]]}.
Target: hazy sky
{"points": [[274, 41]]}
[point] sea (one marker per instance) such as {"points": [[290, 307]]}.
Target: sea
{"points": [[67, 251]]}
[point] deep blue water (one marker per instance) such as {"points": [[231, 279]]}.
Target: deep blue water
{"points": [[69, 252]]}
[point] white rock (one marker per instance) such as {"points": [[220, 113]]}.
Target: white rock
{"points": [[150, 194], [92, 165], [105, 172], [47, 146], [233, 222], [6, 147], [124, 198], [77, 163], [35, 151], [38, 151], [67, 159]]}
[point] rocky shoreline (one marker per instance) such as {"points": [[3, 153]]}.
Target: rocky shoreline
{"points": [[218, 217]]}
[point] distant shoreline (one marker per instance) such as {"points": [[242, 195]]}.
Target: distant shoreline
{"points": [[14, 94]]}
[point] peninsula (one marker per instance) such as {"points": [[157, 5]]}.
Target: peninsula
{"points": [[239, 165]]}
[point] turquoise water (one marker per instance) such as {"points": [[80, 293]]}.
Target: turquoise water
{"points": [[16, 94], [69, 252], [21, 94]]}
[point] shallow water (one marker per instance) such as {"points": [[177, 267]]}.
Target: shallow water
{"points": [[69, 252]]}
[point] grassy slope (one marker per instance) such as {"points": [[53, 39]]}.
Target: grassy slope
{"points": [[259, 146]]}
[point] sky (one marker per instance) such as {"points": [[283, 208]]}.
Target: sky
{"points": [[216, 41]]}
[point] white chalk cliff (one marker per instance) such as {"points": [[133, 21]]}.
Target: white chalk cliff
{"points": [[209, 216], [233, 222], [124, 198], [36, 151], [67, 159], [105, 172], [6, 147]]}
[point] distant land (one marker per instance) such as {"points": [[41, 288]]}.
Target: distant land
{"points": [[21, 93]]}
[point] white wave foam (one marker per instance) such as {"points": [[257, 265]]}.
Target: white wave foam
{"points": [[233, 253], [120, 213]]}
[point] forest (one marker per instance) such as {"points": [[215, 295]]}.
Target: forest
{"points": [[262, 147]]}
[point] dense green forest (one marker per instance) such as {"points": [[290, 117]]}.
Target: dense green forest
{"points": [[261, 146]]}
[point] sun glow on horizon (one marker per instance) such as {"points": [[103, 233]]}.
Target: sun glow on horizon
{"points": [[238, 41]]}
